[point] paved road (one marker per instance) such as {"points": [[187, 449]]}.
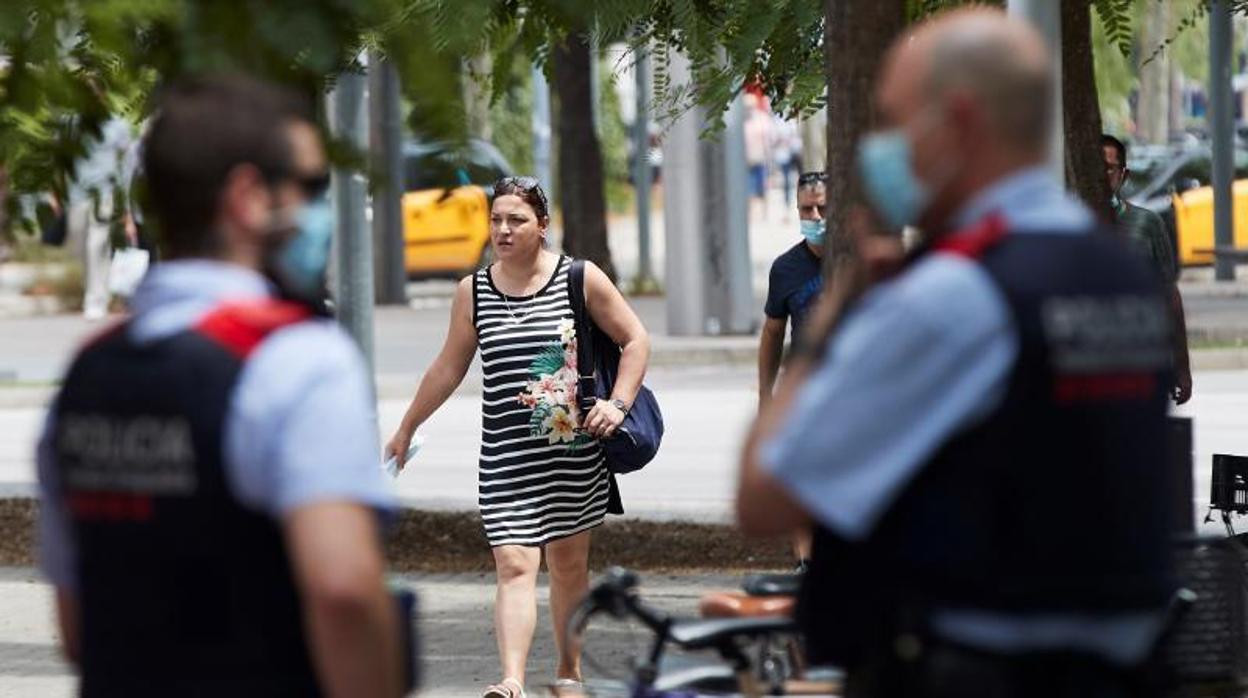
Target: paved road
{"points": [[706, 412], [456, 628]]}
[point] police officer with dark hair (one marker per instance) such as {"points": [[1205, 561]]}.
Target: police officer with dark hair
{"points": [[209, 477], [980, 445]]}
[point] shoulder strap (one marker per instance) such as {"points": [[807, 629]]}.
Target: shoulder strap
{"points": [[584, 329], [241, 326]]}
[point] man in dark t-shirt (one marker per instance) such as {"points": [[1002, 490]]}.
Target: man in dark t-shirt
{"points": [[795, 282], [792, 289]]}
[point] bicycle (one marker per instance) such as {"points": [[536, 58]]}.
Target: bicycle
{"points": [[738, 672]]}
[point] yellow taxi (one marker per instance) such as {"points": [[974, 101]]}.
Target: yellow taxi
{"points": [[1176, 185], [446, 208], [1193, 221]]}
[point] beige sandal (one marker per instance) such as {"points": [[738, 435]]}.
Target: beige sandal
{"points": [[571, 688], [503, 689]]}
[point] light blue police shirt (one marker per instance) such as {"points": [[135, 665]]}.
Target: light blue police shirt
{"points": [[920, 359], [299, 428]]}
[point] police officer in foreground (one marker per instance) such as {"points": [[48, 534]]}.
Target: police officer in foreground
{"points": [[209, 476], [980, 444]]}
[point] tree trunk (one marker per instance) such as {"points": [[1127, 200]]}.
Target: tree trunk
{"points": [[856, 36], [1085, 163], [580, 176]]}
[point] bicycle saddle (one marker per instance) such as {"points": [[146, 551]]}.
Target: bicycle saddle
{"points": [[772, 584], [702, 634], [731, 604]]}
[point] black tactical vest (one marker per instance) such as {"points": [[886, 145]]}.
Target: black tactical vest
{"points": [[1057, 501], [182, 591]]}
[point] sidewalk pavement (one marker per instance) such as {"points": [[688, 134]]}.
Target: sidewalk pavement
{"points": [[456, 631]]}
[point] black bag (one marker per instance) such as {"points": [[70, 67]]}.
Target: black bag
{"points": [[53, 229], [637, 440]]}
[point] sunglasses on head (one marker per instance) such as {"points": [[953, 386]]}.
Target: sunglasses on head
{"points": [[808, 178], [523, 183]]}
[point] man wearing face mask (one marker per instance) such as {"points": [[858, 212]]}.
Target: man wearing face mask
{"points": [[1145, 232], [795, 281], [980, 445], [209, 476]]}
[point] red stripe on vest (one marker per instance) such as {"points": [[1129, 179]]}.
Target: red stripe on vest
{"points": [[974, 241], [241, 326]]}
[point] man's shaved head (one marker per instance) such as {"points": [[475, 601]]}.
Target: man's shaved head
{"points": [[1001, 61], [972, 89]]}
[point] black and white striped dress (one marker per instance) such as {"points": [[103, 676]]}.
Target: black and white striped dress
{"points": [[540, 479]]}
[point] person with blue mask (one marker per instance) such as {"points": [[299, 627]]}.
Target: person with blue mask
{"points": [[210, 487], [795, 282], [962, 439]]}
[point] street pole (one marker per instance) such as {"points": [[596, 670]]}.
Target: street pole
{"points": [[353, 287], [1046, 17], [1221, 123], [641, 170], [709, 278], [386, 144], [682, 184]]}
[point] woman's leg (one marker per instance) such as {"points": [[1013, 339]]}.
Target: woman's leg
{"points": [[568, 562], [515, 605]]}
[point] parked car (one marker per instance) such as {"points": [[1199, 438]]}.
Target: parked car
{"points": [[446, 206], [1175, 184]]}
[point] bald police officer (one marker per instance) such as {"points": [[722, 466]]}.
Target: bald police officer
{"points": [[980, 445]]}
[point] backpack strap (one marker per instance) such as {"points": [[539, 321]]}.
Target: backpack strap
{"points": [[587, 383]]}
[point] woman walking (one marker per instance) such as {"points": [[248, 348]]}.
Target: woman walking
{"points": [[542, 481]]}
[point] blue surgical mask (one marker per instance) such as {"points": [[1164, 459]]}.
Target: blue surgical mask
{"points": [[814, 231], [892, 188], [302, 261]]}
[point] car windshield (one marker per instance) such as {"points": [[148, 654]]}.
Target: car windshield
{"points": [[1154, 173], [437, 166]]}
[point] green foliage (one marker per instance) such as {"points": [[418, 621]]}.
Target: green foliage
{"points": [[71, 64], [1116, 16], [511, 118], [1116, 80]]}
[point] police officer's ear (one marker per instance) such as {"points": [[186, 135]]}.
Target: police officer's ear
{"points": [[246, 201]]}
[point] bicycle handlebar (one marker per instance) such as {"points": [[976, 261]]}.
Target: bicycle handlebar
{"points": [[616, 594]]}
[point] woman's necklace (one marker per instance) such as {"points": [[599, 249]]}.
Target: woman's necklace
{"points": [[523, 292]]}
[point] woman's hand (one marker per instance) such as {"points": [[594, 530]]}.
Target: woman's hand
{"points": [[603, 420], [398, 445]]}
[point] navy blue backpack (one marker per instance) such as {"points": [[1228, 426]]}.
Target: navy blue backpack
{"points": [[637, 440]]}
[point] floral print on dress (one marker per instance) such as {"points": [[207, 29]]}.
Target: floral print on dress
{"points": [[551, 393]]}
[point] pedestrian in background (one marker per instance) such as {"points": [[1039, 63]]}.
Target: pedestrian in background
{"points": [[787, 149], [93, 199], [792, 288], [757, 152], [1146, 233], [542, 480], [963, 441], [209, 475]]}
